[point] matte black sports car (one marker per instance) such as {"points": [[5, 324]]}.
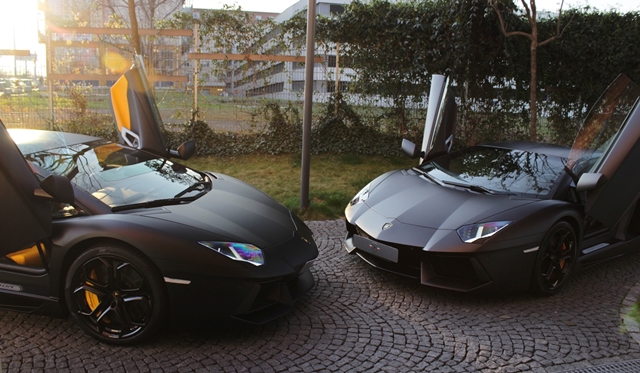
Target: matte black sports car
{"points": [[510, 215], [122, 237]]}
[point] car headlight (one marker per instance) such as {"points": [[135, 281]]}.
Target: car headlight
{"points": [[478, 233], [362, 195], [242, 252]]}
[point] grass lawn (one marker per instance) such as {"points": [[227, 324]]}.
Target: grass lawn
{"points": [[334, 179]]}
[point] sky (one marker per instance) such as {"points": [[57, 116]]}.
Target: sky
{"points": [[277, 6], [19, 19]]}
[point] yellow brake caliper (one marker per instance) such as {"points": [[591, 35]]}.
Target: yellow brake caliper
{"points": [[92, 299]]}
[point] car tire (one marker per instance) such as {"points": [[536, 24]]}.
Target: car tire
{"points": [[115, 294], [556, 257]]}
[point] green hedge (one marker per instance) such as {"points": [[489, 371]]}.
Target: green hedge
{"points": [[396, 46]]}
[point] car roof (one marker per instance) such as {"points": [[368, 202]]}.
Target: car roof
{"points": [[535, 147], [32, 141]]}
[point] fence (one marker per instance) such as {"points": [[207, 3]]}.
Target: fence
{"points": [[76, 102], [231, 111]]}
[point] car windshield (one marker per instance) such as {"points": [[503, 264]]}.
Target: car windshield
{"points": [[497, 170], [119, 176]]}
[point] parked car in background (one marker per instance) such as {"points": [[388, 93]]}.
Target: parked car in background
{"points": [[17, 85], [509, 215], [6, 87], [29, 85]]}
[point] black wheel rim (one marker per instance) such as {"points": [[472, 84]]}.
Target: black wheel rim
{"points": [[557, 259], [112, 297]]}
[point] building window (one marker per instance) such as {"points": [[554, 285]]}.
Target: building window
{"points": [[331, 61], [336, 9], [343, 86], [271, 88], [297, 85]]}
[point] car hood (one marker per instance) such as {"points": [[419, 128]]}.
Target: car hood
{"points": [[407, 198], [233, 211]]}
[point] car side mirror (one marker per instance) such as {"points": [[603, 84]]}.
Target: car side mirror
{"points": [[590, 181], [185, 151], [58, 188], [411, 149]]}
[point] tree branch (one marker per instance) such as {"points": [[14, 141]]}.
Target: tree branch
{"points": [[559, 32], [502, 25], [528, 12]]}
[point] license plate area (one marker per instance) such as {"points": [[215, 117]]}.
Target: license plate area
{"points": [[376, 248]]}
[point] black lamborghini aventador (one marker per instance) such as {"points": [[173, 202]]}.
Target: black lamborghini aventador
{"points": [[122, 237], [510, 215]]}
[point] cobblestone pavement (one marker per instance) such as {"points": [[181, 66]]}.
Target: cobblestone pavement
{"points": [[362, 319]]}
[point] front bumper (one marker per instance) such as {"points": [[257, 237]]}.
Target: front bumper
{"points": [[240, 291], [207, 300], [268, 301], [460, 271], [453, 272]]}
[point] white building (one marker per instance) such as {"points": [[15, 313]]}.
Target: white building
{"points": [[208, 80], [286, 80]]}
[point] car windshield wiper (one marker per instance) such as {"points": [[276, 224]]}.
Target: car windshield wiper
{"points": [[158, 203], [428, 176], [203, 183], [473, 187]]}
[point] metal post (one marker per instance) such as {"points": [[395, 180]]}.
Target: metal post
{"points": [[15, 67], [49, 66], [308, 102], [195, 73], [337, 87]]}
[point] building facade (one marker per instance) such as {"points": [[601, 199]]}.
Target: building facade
{"points": [[286, 80]]}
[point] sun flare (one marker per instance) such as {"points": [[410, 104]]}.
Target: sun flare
{"points": [[18, 24]]}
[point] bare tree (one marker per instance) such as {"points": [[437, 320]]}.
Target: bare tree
{"points": [[531, 14], [135, 38], [148, 11], [136, 14], [144, 14]]}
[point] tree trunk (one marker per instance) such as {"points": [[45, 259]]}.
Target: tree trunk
{"points": [[531, 14], [135, 38], [534, 75], [534, 88]]}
